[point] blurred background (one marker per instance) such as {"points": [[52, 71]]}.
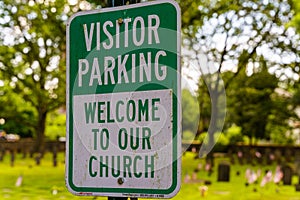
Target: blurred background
{"points": [[240, 98]]}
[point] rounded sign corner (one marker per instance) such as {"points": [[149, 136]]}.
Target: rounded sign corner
{"points": [[175, 4], [175, 191], [70, 186]]}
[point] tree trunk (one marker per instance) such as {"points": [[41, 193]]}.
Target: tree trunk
{"points": [[218, 103], [40, 131], [212, 126]]}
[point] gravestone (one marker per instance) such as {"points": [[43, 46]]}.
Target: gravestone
{"points": [[223, 172], [287, 175], [38, 159]]}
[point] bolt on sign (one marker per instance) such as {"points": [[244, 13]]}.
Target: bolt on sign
{"points": [[123, 101]]}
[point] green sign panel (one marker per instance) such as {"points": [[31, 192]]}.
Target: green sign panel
{"points": [[123, 101]]}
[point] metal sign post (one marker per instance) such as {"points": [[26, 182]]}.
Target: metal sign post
{"points": [[114, 3]]}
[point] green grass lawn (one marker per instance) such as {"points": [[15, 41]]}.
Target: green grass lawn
{"points": [[47, 182]]}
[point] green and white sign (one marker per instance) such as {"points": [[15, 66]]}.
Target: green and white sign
{"points": [[123, 101]]}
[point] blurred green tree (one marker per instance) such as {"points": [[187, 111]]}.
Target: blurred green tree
{"points": [[236, 36], [32, 58], [18, 119], [56, 124], [250, 103], [296, 19], [204, 107], [190, 114], [234, 134]]}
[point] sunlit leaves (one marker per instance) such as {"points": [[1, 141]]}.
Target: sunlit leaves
{"points": [[243, 39], [32, 53]]}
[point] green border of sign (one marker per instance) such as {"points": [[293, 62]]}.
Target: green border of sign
{"points": [[176, 145]]}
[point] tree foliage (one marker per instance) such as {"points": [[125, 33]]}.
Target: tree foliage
{"points": [[190, 111], [32, 57], [18, 119], [296, 19], [56, 124], [204, 107], [250, 103], [242, 37]]}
